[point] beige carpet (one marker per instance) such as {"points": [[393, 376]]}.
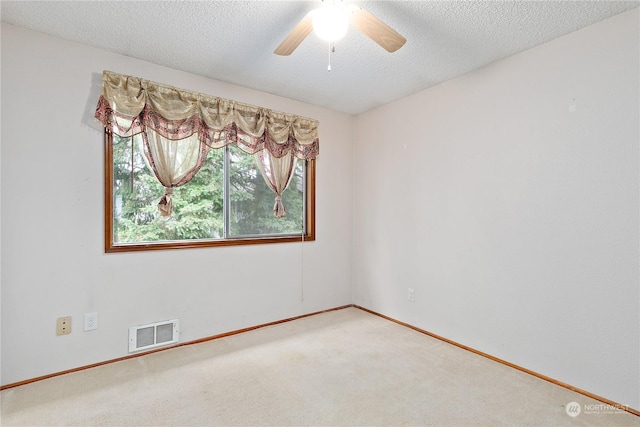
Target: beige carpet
{"points": [[345, 367]]}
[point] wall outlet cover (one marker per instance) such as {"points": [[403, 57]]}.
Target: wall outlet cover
{"points": [[90, 321], [63, 325]]}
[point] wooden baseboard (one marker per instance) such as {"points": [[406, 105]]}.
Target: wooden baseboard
{"points": [[511, 365], [277, 322], [131, 356]]}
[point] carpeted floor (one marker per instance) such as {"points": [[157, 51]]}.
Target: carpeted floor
{"points": [[341, 368]]}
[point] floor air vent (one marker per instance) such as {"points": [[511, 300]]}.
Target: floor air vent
{"points": [[153, 335]]}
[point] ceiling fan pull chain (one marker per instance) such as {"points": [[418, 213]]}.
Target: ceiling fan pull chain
{"points": [[329, 66]]}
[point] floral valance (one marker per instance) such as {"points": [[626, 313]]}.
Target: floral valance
{"points": [[129, 105], [179, 127]]}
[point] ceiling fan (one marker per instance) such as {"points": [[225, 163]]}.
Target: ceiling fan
{"points": [[330, 22]]}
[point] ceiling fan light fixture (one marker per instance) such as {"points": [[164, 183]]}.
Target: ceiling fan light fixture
{"points": [[330, 22]]}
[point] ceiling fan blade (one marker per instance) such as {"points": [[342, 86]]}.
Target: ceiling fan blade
{"points": [[376, 30], [295, 37]]}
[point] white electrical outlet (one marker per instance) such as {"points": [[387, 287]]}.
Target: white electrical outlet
{"points": [[90, 321], [411, 295]]}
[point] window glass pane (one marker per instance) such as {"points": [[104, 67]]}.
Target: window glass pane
{"points": [[251, 200], [197, 206], [198, 217]]}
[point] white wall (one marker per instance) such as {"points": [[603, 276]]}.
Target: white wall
{"points": [[515, 220], [53, 262]]}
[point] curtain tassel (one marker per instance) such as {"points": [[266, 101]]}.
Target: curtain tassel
{"points": [[165, 205], [278, 208]]}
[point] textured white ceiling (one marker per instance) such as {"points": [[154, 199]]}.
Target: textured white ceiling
{"points": [[233, 41]]}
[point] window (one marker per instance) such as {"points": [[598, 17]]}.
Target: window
{"points": [[226, 203], [185, 169]]}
